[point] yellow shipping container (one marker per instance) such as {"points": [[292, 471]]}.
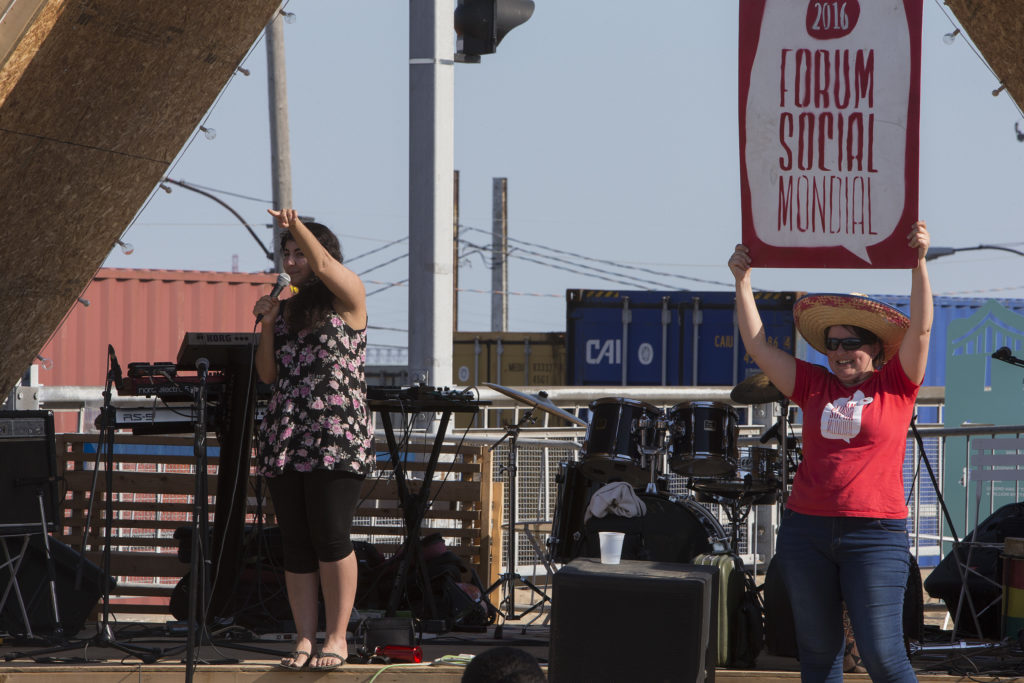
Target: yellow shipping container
{"points": [[509, 358]]}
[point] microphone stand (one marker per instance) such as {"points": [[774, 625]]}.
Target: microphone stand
{"points": [[198, 585], [1006, 355]]}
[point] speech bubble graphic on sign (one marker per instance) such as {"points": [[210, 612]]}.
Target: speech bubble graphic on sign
{"points": [[829, 119]]}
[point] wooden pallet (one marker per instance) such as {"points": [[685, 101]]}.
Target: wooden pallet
{"points": [[153, 484]]}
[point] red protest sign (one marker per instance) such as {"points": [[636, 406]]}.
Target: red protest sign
{"points": [[829, 109]]}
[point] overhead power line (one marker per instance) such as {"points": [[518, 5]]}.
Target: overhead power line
{"points": [[576, 257]]}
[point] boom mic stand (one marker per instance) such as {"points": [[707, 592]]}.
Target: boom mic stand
{"points": [[508, 580], [104, 635]]}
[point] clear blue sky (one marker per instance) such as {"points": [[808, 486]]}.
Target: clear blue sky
{"points": [[616, 126]]}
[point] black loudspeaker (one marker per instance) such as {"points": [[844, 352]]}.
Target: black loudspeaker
{"points": [[634, 621], [74, 604], [28, 467]]}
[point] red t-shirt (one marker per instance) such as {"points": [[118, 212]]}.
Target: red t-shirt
{"points": [[854, 442]]}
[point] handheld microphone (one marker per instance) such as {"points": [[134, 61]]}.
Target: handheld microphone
{"points": [[1003, 353], [283, 280]]}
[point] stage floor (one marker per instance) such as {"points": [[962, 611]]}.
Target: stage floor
{"points": [[89, 662]]}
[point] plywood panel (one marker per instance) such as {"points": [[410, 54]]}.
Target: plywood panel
{"points": [[996, 27], [96, 99]]}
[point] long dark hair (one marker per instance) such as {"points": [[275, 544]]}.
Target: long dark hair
{"points": [[314, 301]]}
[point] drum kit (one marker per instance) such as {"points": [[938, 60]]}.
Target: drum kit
{"points": [[636, 442]]}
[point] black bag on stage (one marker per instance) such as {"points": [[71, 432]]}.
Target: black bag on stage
{"points": [[944, 581], [780, 631]]}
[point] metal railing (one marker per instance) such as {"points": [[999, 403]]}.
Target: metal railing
{"points": [[548, 444]]}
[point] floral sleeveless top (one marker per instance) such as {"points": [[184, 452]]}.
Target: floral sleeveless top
{"points": [[317, 418]]}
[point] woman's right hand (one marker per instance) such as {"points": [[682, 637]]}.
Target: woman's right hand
{"points": [[739, 262], [267, 306]]}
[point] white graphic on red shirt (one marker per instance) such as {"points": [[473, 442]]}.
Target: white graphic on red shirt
{"points": [[842, 419]]}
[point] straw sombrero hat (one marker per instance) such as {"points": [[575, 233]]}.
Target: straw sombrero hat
{"points": [[815, 313]]}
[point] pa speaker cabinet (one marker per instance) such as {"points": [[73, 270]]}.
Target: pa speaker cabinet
{"points": [[75, 599], [28, 470], [634, 621]]}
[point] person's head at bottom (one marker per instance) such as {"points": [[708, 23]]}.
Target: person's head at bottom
{"points": [[503, 665]]}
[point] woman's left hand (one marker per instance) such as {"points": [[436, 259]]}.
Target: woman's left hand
{"points": [[285, 217], [919, 239]]}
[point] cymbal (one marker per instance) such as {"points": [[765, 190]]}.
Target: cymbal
{"points": [[539, 400], [756, 389]]}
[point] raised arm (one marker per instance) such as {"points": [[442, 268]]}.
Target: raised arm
{"points": [[348, 289], [914, 347], [776, 364]]}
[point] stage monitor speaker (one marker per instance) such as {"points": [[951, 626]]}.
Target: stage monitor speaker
{"points": [[634, 621], [28, 467], [73, 604]]}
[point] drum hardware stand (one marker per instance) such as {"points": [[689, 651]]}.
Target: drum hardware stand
{"points": [[104, 634], [507, 581], [655, 455], [736, 511]]}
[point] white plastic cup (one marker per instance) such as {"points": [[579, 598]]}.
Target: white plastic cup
{"points": [[611, 546]]}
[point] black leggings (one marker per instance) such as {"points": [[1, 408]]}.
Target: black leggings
{"points": [[314, 512]]}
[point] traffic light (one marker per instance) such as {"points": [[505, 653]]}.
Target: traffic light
{"points": [[481, 24]]}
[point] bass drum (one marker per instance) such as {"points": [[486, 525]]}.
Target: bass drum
{"points": [[673, 530]]}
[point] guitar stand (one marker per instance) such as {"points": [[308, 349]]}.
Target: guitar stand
{"points": [[507, 581]]}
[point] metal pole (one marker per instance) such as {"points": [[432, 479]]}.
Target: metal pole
{"points": [[499, 251], [627, 318], [666, 320], [455, 252], [431, 173], [277, 96]]}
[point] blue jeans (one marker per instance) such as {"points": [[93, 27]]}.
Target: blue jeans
{"points": [[864, 562]]}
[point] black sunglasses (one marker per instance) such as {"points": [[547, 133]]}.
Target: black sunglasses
{"points": [[849, 344]]}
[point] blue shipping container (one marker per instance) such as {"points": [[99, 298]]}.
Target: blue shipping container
{"points": [[645, 338]]}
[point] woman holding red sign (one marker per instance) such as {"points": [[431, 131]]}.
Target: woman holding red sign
{"points": [[843, 536]]}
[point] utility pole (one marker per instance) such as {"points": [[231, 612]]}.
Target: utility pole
{"points": [[499, 255], [431, 173], [280, 152]]}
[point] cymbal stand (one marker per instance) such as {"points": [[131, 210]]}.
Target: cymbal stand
{"points": [[104, 637], [783, 431], [507, 581]]}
